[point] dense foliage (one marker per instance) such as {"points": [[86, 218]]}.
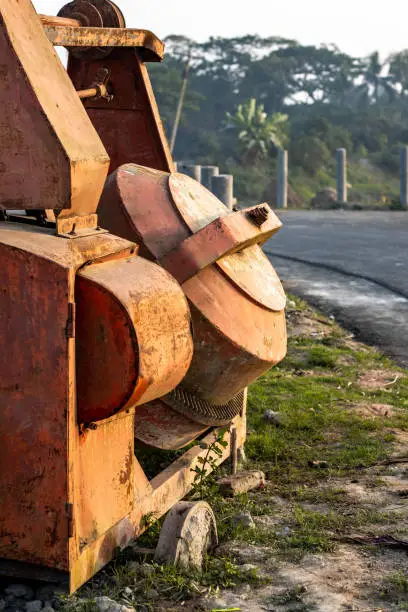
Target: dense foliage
{"points": [[311, 99]]}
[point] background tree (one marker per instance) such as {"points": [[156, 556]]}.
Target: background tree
{"points": [[398, 63], [330, 99], [257, 132], [375, 83]]}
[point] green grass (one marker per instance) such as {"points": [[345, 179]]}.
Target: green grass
{"points": [[394, 589], [314, 409], [161, 581], [371, 187], [315, 390]]}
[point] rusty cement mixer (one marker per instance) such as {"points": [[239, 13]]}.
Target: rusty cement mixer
{"points": [[133, 303]]}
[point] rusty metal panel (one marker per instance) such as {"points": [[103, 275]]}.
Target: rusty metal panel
{"points": [[249, 268], [50, 155], [231, 242], [37, 416], [67, 253], [33, 424], [148, 44], [220, 369], [156, 497], [156, 424], [134, 132], [251, 271], [106, 350], [104, 473], [196, 204], [120, 210]]}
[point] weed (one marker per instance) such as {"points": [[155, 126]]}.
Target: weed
{"points": [[204, 484], [395, 589], [399, 582], [152, 525], [289, 596], [322, 356]]}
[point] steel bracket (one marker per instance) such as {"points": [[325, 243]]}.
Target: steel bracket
{"points": [[78, 226], [224, 236]]}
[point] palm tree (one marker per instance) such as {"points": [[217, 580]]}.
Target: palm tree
{"points": [[375, 85], [257, 131], [398, 63]]}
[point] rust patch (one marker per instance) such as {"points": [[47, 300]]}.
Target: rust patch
{"points": [[127, 473]]}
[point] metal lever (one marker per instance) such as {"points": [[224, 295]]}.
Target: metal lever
{"points": [[99, 89]]}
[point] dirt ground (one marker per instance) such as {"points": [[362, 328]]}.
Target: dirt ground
{"points": [[363, 573]]}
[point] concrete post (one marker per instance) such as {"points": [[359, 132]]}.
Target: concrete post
{"points": [[404, 177], [341, 159], [191, 170], [207, 173], [223, 189], [282, 183]]}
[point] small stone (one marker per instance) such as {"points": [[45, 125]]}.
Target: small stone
{"points": [[128, 592], [290, 305], [49, 592], [242, 482], [133, 566], [244, 519], [272, 417], [284, 532], [146, 570], [152, 594], [34, 606], [105, 604], [325, 199], [20, 590], [322, 465]]}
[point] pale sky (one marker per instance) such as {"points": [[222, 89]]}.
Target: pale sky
{"points": [[356, 26]]}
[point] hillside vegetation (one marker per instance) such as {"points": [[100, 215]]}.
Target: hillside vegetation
{"points": [[246, 96]]}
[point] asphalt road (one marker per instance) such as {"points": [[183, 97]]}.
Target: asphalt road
{"points": [[353, 265]]}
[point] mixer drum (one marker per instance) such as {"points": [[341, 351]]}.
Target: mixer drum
{"points": [[236, 299], [133, 336]]}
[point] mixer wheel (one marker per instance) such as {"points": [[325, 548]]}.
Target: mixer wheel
{"points": [[189, 531], [93, 14]]}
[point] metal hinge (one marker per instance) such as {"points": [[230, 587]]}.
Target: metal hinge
{"points": [[70, 519], [70, 327]]}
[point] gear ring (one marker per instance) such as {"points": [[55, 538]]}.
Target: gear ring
{"points": [[93, 14]]}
